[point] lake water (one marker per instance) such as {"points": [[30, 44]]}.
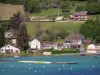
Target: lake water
{"points": [[88, 65]]}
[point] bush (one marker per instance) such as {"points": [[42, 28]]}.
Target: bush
{"points": [[64, 51], [24, 53], [79, 8]]}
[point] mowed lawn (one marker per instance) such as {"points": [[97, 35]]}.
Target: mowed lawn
{"points": [[49, 12], [56, 26]]}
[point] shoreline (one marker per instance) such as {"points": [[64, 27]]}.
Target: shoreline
{"points": [[68, 54]]}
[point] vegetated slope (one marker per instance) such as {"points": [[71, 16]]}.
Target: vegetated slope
{"points": [[7, 10], [56, 26]]}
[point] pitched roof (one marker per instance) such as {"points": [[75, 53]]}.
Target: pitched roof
{"points": [[74, 36], [87, 41], [83, 13]]}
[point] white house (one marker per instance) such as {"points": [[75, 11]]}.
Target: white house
{"points": [[9, 49], [35, 44], [59, 18], [93, 49]]}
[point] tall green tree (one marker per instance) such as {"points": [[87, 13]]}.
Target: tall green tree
{"points": [[91, 29], [22, 38], [32, 5], [17, 23], [2, 37], [87, 29]]}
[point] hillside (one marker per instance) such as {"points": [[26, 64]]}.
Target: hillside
{"points": [[7, 10], [56, 26]]}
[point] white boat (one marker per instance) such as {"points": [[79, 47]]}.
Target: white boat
{"points": [[16, 56]]}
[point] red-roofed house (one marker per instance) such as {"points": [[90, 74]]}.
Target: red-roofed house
{"points": [[80, 16]]}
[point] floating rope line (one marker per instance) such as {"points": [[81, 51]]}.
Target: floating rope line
{"points": [[38, 62]]}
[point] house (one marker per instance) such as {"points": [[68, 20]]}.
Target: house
{"points": [[59, 18], [9, 49], [93, 49], [10, 37], [80, 16], [35, 44], [74, 40], [47, 45], [59, 46]]}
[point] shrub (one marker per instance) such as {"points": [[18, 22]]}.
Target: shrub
{"points": [[64, 51]]}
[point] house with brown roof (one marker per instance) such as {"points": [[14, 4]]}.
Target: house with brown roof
{"points": [[80, 16], [74, 40]]}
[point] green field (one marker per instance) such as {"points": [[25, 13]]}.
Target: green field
{"points": [[48, 12], [56, 26]]}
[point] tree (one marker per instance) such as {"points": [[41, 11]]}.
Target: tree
{"points": [[80, 8], [93, 8], [17, 24], [38, 29], [16, 21], [87, 29], [22, 38], [2, 37], [63, 33], [65, 4], [32, 5], [91, 29]]}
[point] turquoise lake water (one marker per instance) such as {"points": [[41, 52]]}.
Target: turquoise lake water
{"points": [[88, 65]]}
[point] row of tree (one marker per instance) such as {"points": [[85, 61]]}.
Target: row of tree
{"points": [[37, 5], [91, 7], [2, 38], [16, 23], [91, 30]]}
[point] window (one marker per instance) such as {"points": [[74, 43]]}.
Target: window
{"points": [[11, 50], [16, 51]]}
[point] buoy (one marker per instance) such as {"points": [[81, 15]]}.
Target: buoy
{"points": [[12, 65], [71, 68], [29, 68], [35, 71], [63, 65], [59, 69], [43, 66]]}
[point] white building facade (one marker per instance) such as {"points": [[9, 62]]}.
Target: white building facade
{"points": [[9, 49], [35, 44], [93, 49]]}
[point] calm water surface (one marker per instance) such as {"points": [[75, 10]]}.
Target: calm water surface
{"points": [[88, 65]]}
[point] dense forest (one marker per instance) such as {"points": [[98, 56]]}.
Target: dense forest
{"points": [[35, 6]]}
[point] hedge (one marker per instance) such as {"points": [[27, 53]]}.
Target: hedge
{"points": [[64, 51]]}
